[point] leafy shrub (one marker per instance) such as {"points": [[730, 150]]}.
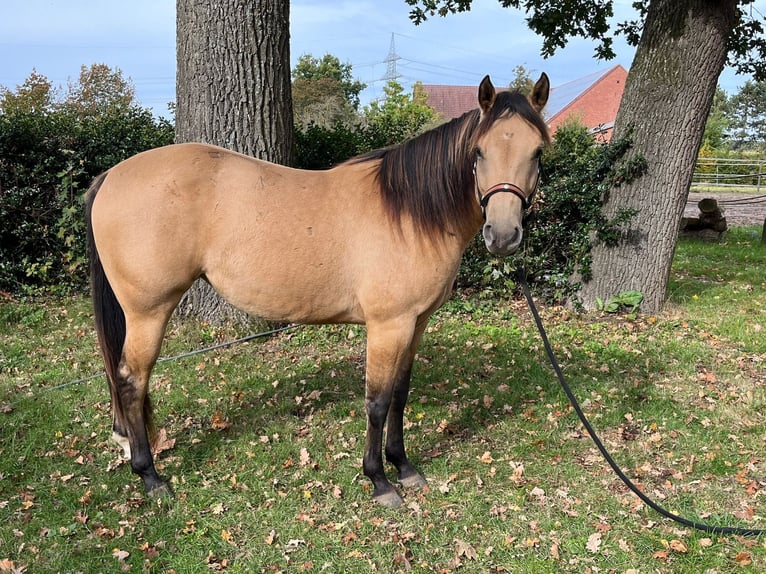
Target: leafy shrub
{"points": [[47, 159], [397, 118], [318, 147]]}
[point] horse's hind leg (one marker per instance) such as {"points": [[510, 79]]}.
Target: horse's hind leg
{"points": [[143, 338]]}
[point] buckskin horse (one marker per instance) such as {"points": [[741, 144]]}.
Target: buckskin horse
{"points": [[376, 240]]}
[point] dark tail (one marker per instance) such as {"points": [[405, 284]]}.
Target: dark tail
{"points": [[109, 317]]}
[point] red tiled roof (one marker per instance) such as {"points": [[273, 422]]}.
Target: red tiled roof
{"points": [[596, 104], [594, 98], [453, 101]]}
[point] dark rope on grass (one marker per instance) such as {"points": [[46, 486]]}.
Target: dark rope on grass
{"points": [[744, 200], [175, 357], [521, 276]]}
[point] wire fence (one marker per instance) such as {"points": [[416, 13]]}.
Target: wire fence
{"points": [[746, 175]]}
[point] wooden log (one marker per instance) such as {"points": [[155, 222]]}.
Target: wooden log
{"points": [[708, 205], [690, 223], [718, 223], [711, 215]]}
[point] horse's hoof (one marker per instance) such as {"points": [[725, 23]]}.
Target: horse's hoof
{"points": [[413, 481], [161, 492], [389, 499]]}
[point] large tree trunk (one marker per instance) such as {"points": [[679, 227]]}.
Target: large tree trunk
{"points": [[233, 90], [667, 98]]}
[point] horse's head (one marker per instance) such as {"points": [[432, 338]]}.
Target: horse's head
{"points": [[508, 144]]}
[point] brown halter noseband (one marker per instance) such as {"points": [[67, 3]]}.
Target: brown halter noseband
{"points": [[526, 201]]}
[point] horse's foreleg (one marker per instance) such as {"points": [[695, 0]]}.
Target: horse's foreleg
{"points": [[142, 345], [409, 477], [388, 361]]}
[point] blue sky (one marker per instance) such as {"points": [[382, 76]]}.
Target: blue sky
{"points": [[56, 37]]}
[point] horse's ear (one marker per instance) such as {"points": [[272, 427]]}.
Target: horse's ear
{"points": [[539, 96], [486, 94]]}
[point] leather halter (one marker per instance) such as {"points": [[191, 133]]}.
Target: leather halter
{"points": [[504, 188]]}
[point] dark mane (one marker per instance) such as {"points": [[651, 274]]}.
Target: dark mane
{"points": [[430, 177]]}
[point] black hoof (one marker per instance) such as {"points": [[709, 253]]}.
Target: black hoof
{"points": [[413, 481], [160, 492], [389, 499]]}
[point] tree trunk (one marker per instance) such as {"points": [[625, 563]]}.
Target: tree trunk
{"points": [[232, 90], [667, 98]]}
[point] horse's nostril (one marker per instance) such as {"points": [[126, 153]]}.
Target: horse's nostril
{"points": [[488, 234]]}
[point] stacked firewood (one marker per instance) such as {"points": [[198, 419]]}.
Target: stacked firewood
{"points": [[709, 224]]}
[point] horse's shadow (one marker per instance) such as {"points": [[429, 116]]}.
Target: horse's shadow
{"points": [[453, 384]]}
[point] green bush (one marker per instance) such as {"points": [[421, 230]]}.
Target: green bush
{"points": [[397, 118], [318, 147], [47, 159]]}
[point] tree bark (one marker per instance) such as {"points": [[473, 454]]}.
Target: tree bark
{"points": [[667, 98], [232, 90]]}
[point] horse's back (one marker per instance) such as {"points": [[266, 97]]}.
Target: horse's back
{"points": [[272, 240]]}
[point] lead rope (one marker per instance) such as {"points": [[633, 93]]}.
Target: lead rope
{"points": [[521, 276], [163, 360]]}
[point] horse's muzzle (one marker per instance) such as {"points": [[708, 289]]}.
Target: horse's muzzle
{"points": [[502, 242]]}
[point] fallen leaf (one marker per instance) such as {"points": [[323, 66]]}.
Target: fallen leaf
{"points": [[538, 493], [162, 443], [226, 536], [463, 549], [743, 559], [594, 543], [603, 527], [149, 551], [555, 552], [531, 542], [678, 546], [80, 517], [218, 421], [87, 497], [486, 458], [121, 555], [305, 458], [518, 473]]}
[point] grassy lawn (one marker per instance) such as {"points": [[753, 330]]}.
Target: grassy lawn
{"points": [[263, 441]]}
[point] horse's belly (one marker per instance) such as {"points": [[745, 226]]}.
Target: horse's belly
{"points": [[290, 293]]}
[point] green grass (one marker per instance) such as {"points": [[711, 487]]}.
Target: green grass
{"points": [[712, 188], [269, 436]]}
